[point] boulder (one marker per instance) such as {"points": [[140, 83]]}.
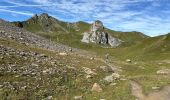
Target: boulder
{"points": [[98, 35], [112, 77]]}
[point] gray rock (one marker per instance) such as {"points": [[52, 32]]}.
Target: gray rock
{"points": [[109, 78], [88, 71], [98, 35], [155, 88], [128, 60], [112, 77], [78, 97], [108, 68], [163, 72], [96, 88], [49, 97]]}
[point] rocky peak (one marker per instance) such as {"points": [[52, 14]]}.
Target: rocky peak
{"points": [[97, 26], [44, 15], [98, 35]]}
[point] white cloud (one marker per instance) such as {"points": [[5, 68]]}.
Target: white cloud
{"points": [[17, 12]]}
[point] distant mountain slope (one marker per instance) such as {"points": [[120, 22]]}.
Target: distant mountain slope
{"points": [[70, 33], [151, 48]]}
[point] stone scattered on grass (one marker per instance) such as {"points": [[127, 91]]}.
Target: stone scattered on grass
{"points": [[108, 68], [78, 97], [63, 54], [155, 87], [92, 58], [163, 72], [113, 84], [112, 77], [88, 71], [128, 61], [96, 88], [49, 97], [109, 78]]}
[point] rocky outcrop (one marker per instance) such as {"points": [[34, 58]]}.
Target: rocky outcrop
{"points": [[98, 35]]}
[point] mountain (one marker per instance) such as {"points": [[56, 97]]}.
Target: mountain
{"points": [[43, 23], [72, 33], [35, 65]]}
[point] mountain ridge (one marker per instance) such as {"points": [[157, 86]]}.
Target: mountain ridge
{"points": [[44, 23]]}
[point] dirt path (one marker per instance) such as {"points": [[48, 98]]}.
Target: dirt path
{"points": [[163, 94]]}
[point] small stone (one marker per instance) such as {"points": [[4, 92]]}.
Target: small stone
{"points": [[24, 87], [96, 87], [92, 58], [43, 55], [128, 60], [123, 79], [20, 33], [108, 68], [88, 76], [155, 88], [70, 49], [109, 78], [78, 97], [17, 76], [49, 97], [88, 71], [44, 71], [1, 86], [116, 75], [63, 54], [35, 65], [163, 72], [113, 84], [21, 38]]}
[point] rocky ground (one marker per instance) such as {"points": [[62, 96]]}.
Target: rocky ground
{"points": [[31, 74], [8, 31], [32, 67]]}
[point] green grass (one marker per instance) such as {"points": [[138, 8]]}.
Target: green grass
{"points": [[145, 53]]}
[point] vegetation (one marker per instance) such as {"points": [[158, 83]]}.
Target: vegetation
{"points": [[147, 55]]}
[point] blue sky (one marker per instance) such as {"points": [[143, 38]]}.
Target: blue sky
{"points": [[152, 17]]}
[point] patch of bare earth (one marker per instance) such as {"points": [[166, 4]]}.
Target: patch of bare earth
{"points": [[163, 94]]}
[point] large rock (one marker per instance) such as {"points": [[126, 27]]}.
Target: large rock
{"points": [[109, 78], [98, 35], [112, 77]]}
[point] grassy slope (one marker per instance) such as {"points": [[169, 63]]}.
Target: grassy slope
{"points": [[146, 57], [74, 86], [142, 72]]}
